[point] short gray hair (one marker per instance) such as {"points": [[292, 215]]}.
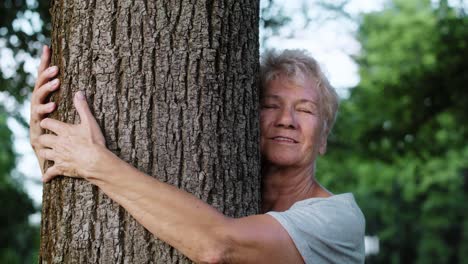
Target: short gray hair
{"points": [[298, 65]]}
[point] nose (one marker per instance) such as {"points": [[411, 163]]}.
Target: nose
{"points": [[286, 118]]}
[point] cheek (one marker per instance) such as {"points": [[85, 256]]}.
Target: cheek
{"points": [[263, 123], [263, 130], [312, 131]]}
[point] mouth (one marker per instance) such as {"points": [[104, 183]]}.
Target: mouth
{"points": [[284, 139]]}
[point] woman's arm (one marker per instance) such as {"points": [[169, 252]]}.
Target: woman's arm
{"points": [[193, 227], [174, 216]]}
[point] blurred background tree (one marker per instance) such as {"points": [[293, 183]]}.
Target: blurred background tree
{"points": [[23, 27], [400, 143], [18, 239]]}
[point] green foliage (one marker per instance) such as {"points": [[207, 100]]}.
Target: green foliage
{"points": [[21, 34], [22, 30], [400, 143], [7, 155], [18, 239]]}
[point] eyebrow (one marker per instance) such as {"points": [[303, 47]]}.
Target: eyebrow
{"points": [[272, 96], [301, 101], [305, 101]]}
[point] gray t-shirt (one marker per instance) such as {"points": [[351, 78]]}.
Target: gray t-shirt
{"points": [[326, 230]]}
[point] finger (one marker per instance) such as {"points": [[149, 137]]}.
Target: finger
{"points": [[83, 110], [47, 140], [41, 110], [45, 59], [54, 125], [44, 76], [51, 173], [87, 118], [47, 154], [41, 94]]}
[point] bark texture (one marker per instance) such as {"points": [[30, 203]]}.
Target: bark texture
{"points": [[173, 85]]}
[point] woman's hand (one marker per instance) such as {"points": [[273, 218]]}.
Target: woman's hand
{"points": [[75, 149], [39, 107]]}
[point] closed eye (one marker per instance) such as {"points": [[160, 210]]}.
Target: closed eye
{"points": [[308, 111], [269, 106]]}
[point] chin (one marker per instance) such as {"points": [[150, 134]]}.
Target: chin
{"points": [[281, 160]]}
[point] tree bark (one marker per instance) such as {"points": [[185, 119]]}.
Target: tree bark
{"points": [[173, 85]]}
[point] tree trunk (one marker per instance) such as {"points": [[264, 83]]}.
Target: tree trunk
{"points": [[173, 85]]}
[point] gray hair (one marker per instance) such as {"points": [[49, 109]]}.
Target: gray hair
{"points": [[298, 66]]}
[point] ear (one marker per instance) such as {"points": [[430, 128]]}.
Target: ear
{"points": [[323, 145], [323, 141]]}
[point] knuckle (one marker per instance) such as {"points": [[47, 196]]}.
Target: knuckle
{"points": [[34, 123], [45, 121], [34, 144], [42, 153], [42, 140], [40, 80], [39, 110], [44, 74], [43, 109], [45, 153], [35, 111], [43, 91], [59, 169]]}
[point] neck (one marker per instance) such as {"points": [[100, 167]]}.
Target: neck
{"points": [[283, 186]]}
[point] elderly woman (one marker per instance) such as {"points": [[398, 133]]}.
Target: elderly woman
{"points": [[301, 220]]}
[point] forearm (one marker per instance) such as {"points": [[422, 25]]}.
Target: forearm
{"points": [[173, 215]]}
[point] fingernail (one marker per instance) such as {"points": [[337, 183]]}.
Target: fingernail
{"points": [[53, 69], [54, 82], [80, 95]]}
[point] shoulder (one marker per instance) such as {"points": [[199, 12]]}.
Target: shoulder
{"points": [[338, 216], [326, 226]]}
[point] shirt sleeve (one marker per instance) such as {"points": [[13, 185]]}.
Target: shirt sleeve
{"points": [[325, 232]]}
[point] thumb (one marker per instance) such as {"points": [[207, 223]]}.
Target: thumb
{"points": [[87, 118], [82, 108]]}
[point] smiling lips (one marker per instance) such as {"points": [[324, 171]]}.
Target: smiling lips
{"points": [[284, 139]]}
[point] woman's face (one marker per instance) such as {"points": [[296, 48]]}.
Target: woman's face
{"points": [[290, 123]]}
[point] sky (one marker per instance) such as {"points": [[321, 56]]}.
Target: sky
{"points": [[330, 41]]}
